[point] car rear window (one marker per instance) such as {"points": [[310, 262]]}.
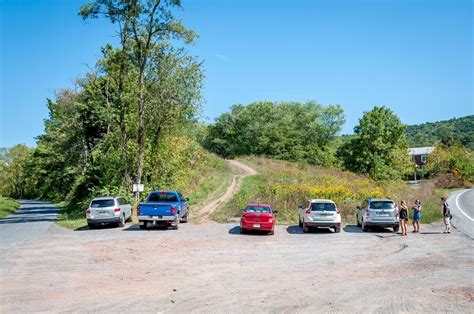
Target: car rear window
{"points": [[257, 209], [329, 207], [382, 205], [102, 203], [163, 197]]}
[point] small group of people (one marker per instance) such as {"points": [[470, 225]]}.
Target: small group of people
{"points": [[403, 213], [416, 209]]}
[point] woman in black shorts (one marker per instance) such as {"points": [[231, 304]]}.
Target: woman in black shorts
{"points": [[403, 211]]}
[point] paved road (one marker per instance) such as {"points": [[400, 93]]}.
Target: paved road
{"points": [[462, 208], [30, 222]]}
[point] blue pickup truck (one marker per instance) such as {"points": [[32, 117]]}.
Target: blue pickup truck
{"points": [[163, 208]]}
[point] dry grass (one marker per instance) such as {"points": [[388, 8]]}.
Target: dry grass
{"points": [[285, 185]]}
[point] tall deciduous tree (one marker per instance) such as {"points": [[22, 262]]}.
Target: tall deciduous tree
{"points": [[379, 147], [148, 24]]}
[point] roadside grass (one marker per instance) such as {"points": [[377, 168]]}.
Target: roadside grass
{"points": [[8, 206], [285, 185], [201, 185], [71, 216]]}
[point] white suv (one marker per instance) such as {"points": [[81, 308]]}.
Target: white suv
{"points": [[108, 209], [319, 213]]}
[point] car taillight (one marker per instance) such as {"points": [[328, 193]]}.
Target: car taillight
{"points": [[270, 220], [88, 211], [308, 211], [116, 210], [173, 210]]}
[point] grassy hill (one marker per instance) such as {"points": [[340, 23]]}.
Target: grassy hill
{"points": [[285, 185], [428, 134]]}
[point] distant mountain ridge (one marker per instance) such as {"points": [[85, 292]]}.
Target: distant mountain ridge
{"points": [[430, 133]]}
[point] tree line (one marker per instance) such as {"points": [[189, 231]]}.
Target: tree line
{"points": [[134, 118]]}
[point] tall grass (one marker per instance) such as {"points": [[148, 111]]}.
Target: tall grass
{"points": [[7, 206], [286, 185]]}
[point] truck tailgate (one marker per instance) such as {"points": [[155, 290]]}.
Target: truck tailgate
{"points": [[156, 209]]}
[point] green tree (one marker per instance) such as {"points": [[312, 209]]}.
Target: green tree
{"points": [[15, 181], [287, 130], [148, 24], [379, 147]]}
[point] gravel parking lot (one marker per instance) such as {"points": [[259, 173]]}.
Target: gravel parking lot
{"points": [[210, 267]]}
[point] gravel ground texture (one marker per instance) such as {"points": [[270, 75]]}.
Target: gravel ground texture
{"points": [[211, 267]]}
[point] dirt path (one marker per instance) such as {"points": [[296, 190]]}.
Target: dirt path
{"points": [[207, 210]]}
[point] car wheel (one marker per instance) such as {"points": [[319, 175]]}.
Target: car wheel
{"points": [[271, 232], [243, 231], [337, 229], [121, 223], [143, 227], [130, 217], [91, 225], [396, 228], [364, 227], [176, 226], [300, 223], [185, 218], [305, 228]]}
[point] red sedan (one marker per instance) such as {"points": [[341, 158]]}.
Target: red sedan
{"points": [[258, 217]]}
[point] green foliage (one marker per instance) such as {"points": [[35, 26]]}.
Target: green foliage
{"points": [[7, 206], [15, 180], [379, 147], [431, 133], [455, 160], [287, 130]]}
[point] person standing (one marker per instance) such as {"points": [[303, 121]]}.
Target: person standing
{"points": [[447, 216], [416, 216], [403, 211]]}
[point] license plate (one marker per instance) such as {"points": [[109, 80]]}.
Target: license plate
{"points": [[384, 215], [102, 212], [157, 217], [256, 225]]}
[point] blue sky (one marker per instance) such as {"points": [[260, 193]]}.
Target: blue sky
{"points": [[413, 56]]}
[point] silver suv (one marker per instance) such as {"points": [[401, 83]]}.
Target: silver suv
{"points": [[108, 209], [378, 212]]}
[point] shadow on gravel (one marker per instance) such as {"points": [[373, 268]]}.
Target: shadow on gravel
{"points": [[236, 231], [37, 211], [352, 229], [356, 229], [19, 220], [432, 232], [136, 227], [298, 230], [98, 227]]}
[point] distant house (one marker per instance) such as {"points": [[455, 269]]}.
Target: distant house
{"points": [[420, 154]]}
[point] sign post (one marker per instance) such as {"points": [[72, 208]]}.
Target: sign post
{"points": [[137, 188]]}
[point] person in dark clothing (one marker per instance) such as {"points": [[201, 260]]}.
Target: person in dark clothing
{"points": [[447, 216], [403, 211]]}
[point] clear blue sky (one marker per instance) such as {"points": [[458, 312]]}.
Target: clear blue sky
{"points": [[412, 56]]}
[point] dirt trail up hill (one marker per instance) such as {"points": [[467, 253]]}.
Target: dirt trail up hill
{"points": [[245, 171]]}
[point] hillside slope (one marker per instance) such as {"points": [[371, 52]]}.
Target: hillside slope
{"points": [[285, 185], [428, 134]]}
